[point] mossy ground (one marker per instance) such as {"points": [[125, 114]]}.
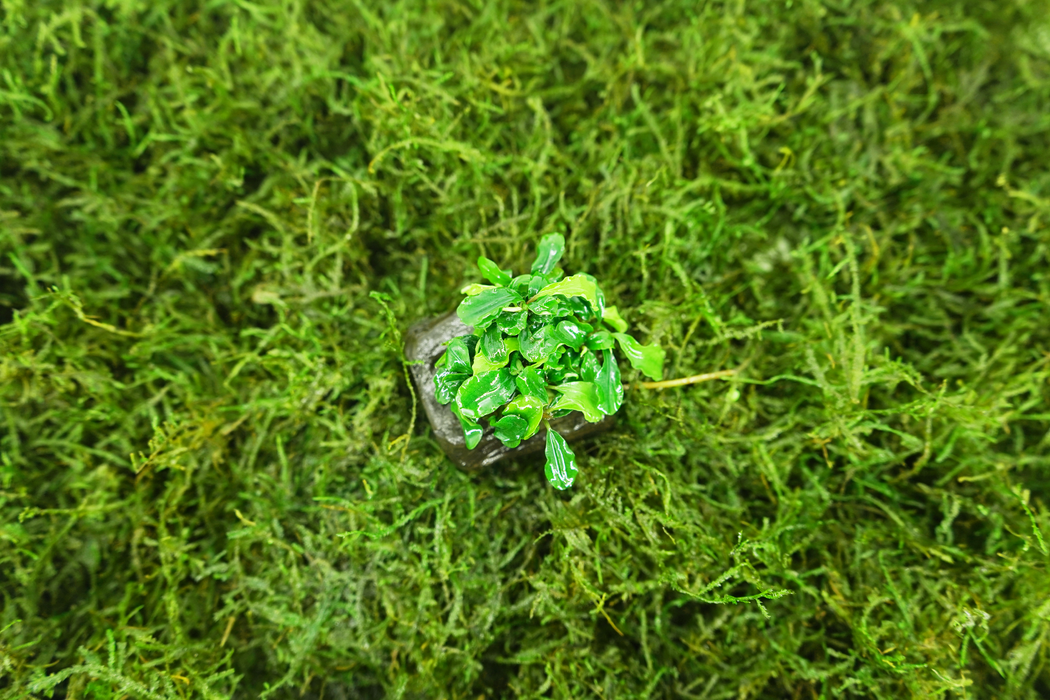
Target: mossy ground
{"points": [[847, 199]]}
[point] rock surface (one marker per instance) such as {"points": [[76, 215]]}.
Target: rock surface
{"points": [[424, 344]]}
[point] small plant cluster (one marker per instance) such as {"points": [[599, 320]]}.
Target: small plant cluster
{"points": [[543, 345]]}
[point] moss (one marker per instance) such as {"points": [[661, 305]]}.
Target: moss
{"points": [[211, 485]]}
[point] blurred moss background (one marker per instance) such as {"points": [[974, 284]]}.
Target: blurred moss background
{"points": [[210, 483]]}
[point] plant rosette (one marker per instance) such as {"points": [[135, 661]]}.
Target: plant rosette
{"points": [[543, 345]]}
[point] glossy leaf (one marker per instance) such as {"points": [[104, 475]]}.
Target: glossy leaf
{"points": [[483, 364], [531, 409], [484, 393], [611, 315], [589, 367], [483, 308], [557, 368], [472, 432], [550, 307], [609, 385], [600, 340], [564, 358], [512, 322], [447, 383], [516, 364], [492, 345], [531, 383], [570, 333], [574, 358], [536, 345], [520, 284], [510, 430], [578, 285], [649, 359], [561, 462], [599, 297], [533, 333], [492, 273], [580, 307], [457, 353], [558, 375], [548, 253], [579, 396], [536, 283]]}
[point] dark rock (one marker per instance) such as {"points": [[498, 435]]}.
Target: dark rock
{"points": [[424, 344]]}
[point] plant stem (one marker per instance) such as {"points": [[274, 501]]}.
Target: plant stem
{"points": [[695, 379]]}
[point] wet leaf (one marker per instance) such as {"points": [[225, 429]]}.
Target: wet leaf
{"points": [[457, 353], [571, 334], [492, 273], [548, 253], [520, 284], [557, 375], [531, 409], [580, 307], [599, 297], [512, 322], [483, 308], [536, 345], [578, 396], [589, 366], [536, 283], [649, 359], [516, 364], [483, 364], [472, 432], [600, 340], [475, 289], [551, 341], [552, 306], [609, 385], [559, 368], [561, 462], [484, 393], [531, 383], [493, 346], [510, 430], [447, 383], [578, 285]]}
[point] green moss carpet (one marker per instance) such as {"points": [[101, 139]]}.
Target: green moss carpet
{"points": [[218, 216]]}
